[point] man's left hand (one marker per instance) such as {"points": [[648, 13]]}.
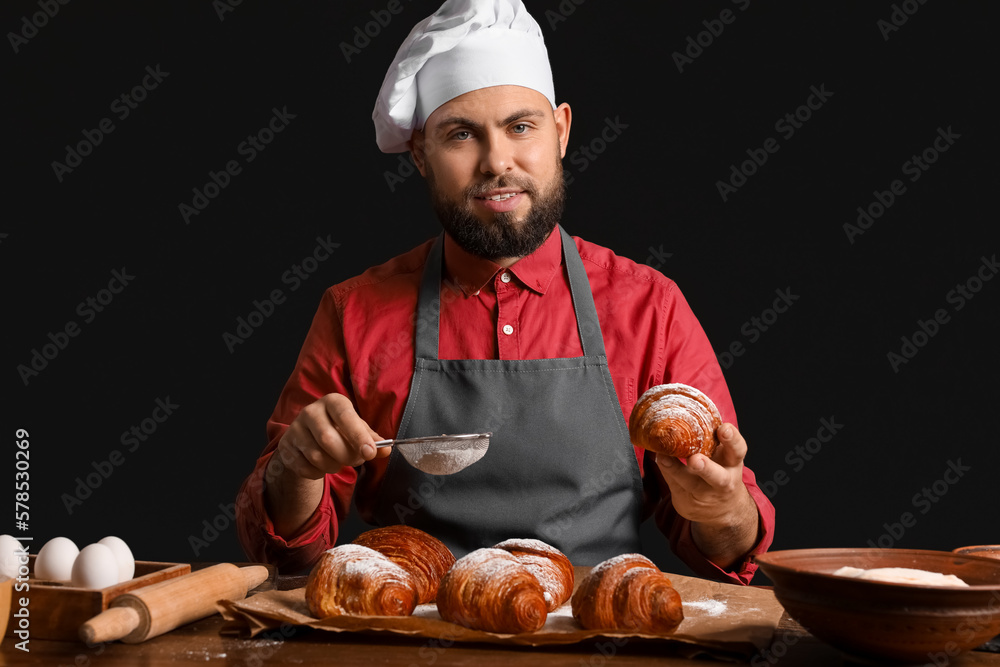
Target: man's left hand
{"points": [[710, 493]]}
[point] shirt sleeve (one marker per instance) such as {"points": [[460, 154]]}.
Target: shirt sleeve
{"points": [[688, 357], [319, 370]]}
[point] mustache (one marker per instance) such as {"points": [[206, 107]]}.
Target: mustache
{"points": [[481, 189]]}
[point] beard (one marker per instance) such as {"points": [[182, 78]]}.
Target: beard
{"points": [[504, 236]]}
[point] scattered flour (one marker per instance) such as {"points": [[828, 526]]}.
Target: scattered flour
{"points": [[203, 655], [710, 607]]}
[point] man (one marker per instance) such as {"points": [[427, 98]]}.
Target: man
{"points": [[504, 324]]}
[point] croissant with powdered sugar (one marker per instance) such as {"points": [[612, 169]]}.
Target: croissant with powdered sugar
{"points": [[424, 556], [676, 420], [549, 565], [355, 580], [491, 590], [628, 593]]}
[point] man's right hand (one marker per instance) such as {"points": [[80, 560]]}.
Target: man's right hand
{"points": [[326, 436]]}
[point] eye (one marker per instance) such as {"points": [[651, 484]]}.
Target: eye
{"points": [[461, 135], [520, 128]]}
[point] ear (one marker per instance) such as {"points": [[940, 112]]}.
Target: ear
{"points": [[564, 118], [416, 145]]}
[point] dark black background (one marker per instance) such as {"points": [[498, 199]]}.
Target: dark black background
{"points": [[652, 188]]}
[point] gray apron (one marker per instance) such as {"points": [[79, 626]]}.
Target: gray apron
{"points": [[560, 467]]}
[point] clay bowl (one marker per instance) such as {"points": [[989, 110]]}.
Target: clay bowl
{"points": [[879, 621], [984, 550]]}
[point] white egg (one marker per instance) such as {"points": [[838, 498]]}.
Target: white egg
{"points": [[54, 561], [95, 567], [126, 563], [10, 554]]}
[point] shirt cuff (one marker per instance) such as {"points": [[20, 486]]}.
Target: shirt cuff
{"points": [[315, 527], [298, 551], [686, 549]]}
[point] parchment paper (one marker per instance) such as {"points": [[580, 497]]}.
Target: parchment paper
{"points": [[723, 619]]}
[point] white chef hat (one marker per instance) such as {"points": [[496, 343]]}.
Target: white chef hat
{"points": [[464, 46]]}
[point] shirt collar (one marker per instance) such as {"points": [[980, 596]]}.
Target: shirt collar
{"points": [[472, 273]]}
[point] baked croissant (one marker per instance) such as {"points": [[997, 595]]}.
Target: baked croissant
{"points": [[489, 589], [676, 420], [424, 556], [549, 565], [355, 580], [628, 592]]}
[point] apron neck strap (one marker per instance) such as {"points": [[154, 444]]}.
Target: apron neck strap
{"points": [[583, 299], [428, 322]]}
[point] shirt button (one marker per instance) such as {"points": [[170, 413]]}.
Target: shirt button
{"points": [[505, 277], [507, 329]]}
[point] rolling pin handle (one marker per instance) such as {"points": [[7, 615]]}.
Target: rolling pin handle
{"points": [[111, 624], [254, 575]]}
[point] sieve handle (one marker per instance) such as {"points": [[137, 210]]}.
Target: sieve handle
{"points": [[432, 438]]}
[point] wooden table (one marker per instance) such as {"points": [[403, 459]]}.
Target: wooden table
{"points": [[201, 643]]}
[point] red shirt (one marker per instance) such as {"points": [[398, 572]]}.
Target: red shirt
{"points": [[360, 344]]}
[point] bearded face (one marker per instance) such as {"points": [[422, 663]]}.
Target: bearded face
{"points": [[504, 233], [492, 160]]}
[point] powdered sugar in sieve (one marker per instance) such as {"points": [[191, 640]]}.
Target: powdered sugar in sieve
{"points": [[441, 455]]}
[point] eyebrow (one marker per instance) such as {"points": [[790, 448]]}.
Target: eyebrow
{"points": [[468, 122]]}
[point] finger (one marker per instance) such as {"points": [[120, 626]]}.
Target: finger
{"points": [[678, 475], [322, 436], [288, 456], [708, 471], [354, 430], [302, 438], [732, 447], [698, 474], [380, 452], [323, 441]]}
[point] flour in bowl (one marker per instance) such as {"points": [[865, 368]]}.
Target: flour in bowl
{"points": [[902, 575]]}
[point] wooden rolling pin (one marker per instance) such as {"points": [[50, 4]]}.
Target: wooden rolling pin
{"points": [[148, 612]]}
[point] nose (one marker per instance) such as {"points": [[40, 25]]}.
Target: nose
{"points": [[497, 155]]}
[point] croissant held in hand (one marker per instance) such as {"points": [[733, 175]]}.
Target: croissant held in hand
{"points": [[424, 556], [489, 589], [676, 420], [355, 580], [628, 592], [549, 565]]}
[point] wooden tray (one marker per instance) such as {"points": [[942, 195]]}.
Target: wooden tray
{"points": [[59, 608]]}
